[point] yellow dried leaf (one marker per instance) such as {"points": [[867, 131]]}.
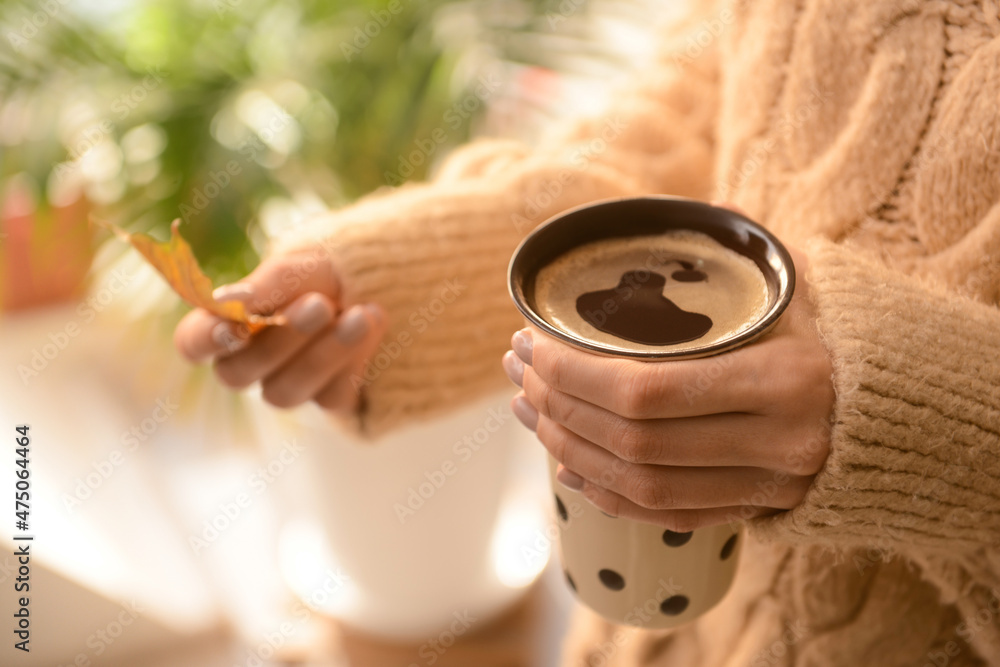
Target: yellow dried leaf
{"points": [[174, 260]]}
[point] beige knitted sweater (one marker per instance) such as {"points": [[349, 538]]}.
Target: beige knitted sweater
{"points": [[867, 133]]}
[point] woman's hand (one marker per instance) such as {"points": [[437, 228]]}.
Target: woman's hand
{"points": [[319, 355], [684, 444]]}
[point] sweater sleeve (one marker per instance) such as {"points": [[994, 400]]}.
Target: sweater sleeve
{"points": [[914, 464], [435, 254]]}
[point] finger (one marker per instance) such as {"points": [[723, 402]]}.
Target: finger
{"points": [[201, 335], [678, 521], [733, 439], [280, 280], [343, 393], [317, 362], [273, 284], [643, 390], [275, 346], [670, 487]]}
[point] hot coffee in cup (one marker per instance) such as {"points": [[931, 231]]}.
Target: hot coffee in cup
{"points": [[652, 278], [679, 290]]}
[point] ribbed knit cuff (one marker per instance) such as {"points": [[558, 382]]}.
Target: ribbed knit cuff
{"points": [[915, 443]]}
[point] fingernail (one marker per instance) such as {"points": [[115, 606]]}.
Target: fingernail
{"points": [[232, 292], [569, 479], [224, 336], [525, 412], [522, 344], [352, 326], [514, 368], [312, 316]]}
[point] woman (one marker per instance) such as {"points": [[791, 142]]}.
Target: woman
{"points": [[862, 133]]}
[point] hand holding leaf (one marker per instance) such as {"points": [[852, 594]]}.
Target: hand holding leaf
{"points": [[319, 355], [175, 261]]}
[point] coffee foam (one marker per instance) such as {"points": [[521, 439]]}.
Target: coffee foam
{"points": [[734, 296]]}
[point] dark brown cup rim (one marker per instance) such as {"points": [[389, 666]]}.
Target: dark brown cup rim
{"points": [[643, 216]]}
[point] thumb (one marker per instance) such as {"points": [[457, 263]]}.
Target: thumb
{"points": [[280, 280]]}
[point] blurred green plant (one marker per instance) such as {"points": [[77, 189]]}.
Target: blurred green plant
{"points": [[216, 110]]}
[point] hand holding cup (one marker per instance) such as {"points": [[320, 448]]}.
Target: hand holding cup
{"points": [[687, 444]]}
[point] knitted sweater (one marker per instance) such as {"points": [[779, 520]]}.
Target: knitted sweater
{"points": [[865, 132]]}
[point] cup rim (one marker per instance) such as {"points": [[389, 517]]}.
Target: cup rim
{"points": [[712, 220]]}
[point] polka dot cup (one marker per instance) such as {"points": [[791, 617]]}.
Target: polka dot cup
{"points": [[639, 574], [634, 573]]}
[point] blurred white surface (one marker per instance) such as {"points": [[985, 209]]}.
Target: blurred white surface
{"points": [[155, 487], [423, 523]]}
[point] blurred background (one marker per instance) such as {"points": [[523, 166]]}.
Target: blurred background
{"points": [[164, 507]]}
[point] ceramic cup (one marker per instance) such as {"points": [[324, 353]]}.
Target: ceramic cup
{"points": [[615, 278]]}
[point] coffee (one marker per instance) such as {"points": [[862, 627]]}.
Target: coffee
{"points": [[656, 279], [680, 289]]}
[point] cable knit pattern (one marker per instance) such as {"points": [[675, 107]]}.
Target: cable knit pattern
{"points": [[865, 132]]}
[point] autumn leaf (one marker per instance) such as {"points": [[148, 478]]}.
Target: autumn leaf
{"points": [[179, 267]]}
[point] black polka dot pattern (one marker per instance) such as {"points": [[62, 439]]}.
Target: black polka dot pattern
{"points": [[674, 605], [672, 539], [727, 548], [563, 514], [612, 579]]}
